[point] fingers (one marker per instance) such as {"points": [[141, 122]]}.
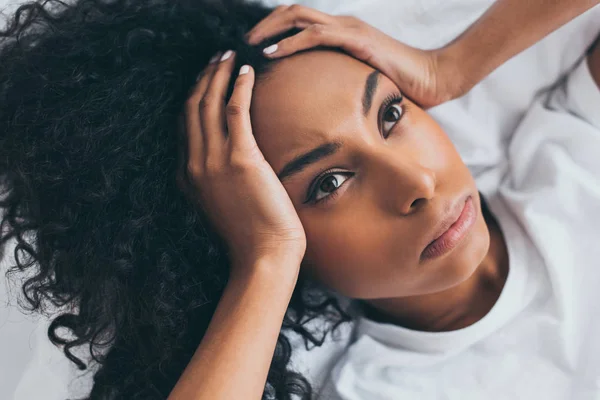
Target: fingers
{"points": [[207, 120], [322, 35], [284, 19], [238, 113], [204, 115], [212, 113], [319, 29]]}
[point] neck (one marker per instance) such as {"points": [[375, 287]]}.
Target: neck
{"points": [[454, 308]]}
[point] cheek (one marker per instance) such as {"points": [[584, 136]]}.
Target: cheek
{"points": [[433, 145], [337, 253], [356, 252]]}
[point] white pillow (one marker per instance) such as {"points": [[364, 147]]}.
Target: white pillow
{"points": [[31, 368]]}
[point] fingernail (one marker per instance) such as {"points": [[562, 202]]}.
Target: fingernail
{"points": [[214, 58], [227, 54], [245, 69], [271, 49]]}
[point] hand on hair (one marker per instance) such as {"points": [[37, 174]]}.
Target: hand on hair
{"points": [[427, 77], [226, 174]]}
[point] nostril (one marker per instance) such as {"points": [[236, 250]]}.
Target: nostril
{"points": [[417, 203]]}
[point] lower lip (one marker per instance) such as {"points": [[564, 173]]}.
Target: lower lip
{"points": [[454, 235]]}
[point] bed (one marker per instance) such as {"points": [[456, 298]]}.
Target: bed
{"points": [[479, 124]]}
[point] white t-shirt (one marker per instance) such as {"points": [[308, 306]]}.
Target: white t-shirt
{"points": [[479, 124], [541, 340]]}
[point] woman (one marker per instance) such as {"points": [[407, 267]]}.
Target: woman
{"points": [[90, 164]]}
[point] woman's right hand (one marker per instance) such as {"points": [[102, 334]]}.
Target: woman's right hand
{"points": [[227, 175], [427, 77]]}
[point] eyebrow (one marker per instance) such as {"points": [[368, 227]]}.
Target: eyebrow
{"points": [[330, 148], [370, 88], [301, 162]]}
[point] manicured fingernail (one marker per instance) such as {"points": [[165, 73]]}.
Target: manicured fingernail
{"points": [[271, 49], [245, 69], [214, 58], [227, 54]]}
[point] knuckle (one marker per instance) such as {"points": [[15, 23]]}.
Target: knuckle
{"points": [[193, 171], [318, 29], [295, 8], [205, 103], [245, 160], [365, 50], [234, 109], [295, 13], [238, 162]]}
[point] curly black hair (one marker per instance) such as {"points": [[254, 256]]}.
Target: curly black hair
{"points": [[90, 93]]}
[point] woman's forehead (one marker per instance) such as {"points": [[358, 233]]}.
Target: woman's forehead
{"points": [[306, 99]]}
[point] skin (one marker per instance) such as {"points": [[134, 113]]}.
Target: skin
{"points": [[256, 296], [365, 239]]}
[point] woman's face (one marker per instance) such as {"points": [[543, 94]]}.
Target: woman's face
{"points": [[390, 178]]}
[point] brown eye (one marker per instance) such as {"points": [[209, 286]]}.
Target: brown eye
{"points": [[390, 117], [328, 185]]}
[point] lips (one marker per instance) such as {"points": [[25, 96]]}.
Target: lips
{"points": [[451, 230]]}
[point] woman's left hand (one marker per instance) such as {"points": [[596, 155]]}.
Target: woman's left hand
{"points": [[427, 77]]}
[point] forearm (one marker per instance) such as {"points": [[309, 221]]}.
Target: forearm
{"points": [[506, 29], [233, 359]]}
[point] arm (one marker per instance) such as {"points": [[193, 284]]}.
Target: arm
{"points": [[226, 174], [505, 30], [234, 356]]}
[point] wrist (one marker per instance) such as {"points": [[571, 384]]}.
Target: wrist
{"points": [[279, 269], [458, 70]]}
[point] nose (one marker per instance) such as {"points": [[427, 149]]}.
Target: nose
{"points": [[408, 185]]}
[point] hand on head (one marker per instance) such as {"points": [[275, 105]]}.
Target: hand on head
{"points": [[427, 77], [227, 175]]}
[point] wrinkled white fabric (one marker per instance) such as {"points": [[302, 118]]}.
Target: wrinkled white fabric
{"points": [[480, 124]]}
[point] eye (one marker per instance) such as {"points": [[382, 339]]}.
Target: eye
{"points": [[391, 111], [391, 116], [326, 186]]}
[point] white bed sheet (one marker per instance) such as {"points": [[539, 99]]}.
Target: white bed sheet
{"points": [[480, 124]]}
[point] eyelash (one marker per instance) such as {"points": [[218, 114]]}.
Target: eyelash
{"points": [[317, 182], [392, 99]]}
